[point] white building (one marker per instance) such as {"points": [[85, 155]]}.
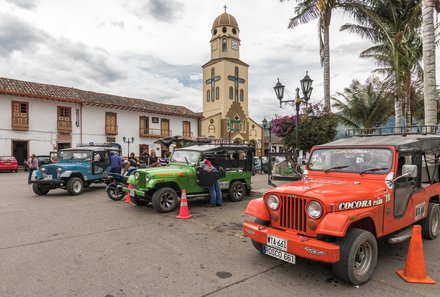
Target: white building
{"points": [[38, 118]]}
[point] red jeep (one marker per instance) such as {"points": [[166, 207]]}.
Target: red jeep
{"points": [[354, 192]]}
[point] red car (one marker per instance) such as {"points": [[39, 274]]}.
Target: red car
{"points": [[8, 163]]}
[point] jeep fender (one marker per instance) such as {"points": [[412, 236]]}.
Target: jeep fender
{"points": [[257, 208], [337, 224]]}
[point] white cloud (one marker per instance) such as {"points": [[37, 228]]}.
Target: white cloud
{"points": [[154, 49]]}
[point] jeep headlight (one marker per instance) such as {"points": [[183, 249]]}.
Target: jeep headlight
{"points": [[136, 176], [147, 178], [273, 202], [59, 169], [314, 210], [43, 170]]}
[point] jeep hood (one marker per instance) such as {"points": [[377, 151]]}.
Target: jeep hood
{"points": [[66, 166], [165, 171], [332, 191]]}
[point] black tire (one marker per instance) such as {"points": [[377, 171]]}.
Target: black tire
{"points": [[358, 257], [115, 194], [138, 201], [431, 224], [74, 186], [256, 244], [39, 190], [165, 200], [237, 191]]}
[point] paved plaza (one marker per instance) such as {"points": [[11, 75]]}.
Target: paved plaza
{"points": [[88, 245]]}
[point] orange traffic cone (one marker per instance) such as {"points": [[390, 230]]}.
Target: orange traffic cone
{"points": [[127, 197], [184, 211], [415, 270]]}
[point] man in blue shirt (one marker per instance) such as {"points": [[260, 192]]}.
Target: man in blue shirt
{"points": [[115, 163]]}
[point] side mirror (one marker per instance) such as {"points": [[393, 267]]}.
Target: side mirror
{"points": [[409, 170]]}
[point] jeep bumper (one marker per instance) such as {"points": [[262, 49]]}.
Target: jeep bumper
{"points": [[53, 182], [134, 191], [299, 245]]}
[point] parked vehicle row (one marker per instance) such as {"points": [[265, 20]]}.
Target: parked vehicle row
{"points": [[354, 194]]}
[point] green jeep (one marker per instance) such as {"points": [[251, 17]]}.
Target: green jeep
{"points": [[163, 185]]}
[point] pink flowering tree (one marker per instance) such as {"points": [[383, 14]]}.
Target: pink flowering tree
{"points": [[317, 126]]}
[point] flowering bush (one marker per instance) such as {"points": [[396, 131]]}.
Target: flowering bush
{"points": [[317, 126]]}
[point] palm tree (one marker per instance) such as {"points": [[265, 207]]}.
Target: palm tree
{"points": [[309, 10], [392, 27], [364, 106], [429, 90]]}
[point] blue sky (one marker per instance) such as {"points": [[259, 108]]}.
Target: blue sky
{"points": [[154, 49]]}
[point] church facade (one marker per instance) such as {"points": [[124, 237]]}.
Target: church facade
{"points": [[225, 88]]}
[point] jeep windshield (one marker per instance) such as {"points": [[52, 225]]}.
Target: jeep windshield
{"points": [[77, 155], [188, 157], [357, 160]]}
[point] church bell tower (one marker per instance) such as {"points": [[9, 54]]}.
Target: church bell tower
{"points": [[225, 86]]}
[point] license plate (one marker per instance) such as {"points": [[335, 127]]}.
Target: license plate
{"points": [[132, 194], [47, 177], [276, 242], [270, 251]]}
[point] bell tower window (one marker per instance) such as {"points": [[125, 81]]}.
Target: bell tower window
{"points": [[208, 95], [224, 45], [231, 93], [217, 93], [241, 95]]}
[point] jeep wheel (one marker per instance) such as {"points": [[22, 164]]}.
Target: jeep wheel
{"points": [[165, 200], [237, 190], [358, 256], [431, 224], [138, 201], [256, 244], [39, 190], [74, 186]]}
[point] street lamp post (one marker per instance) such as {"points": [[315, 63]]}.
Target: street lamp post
{"points": [[262, 137], [306, 88], [128, 140]]}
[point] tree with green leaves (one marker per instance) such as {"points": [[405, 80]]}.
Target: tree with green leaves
{"points": [[364, 105], [392, 26], [309, 10], [317, 126]]}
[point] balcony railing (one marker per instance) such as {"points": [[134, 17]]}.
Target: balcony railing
{"points": [[20, 123], [64, 126], [144, 132], [111, 130]]}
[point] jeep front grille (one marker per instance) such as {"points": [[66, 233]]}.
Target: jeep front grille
{"points": [[293, 212], [51, 171]]}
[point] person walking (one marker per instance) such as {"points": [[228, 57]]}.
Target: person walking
{"points": [[33, 165], [115, 163], [215, 192]]}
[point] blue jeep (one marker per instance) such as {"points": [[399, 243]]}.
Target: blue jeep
{"points": [[76, 168]]}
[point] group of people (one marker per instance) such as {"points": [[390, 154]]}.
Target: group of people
{"points": [[146, 160]]}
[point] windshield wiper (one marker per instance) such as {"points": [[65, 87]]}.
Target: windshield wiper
{"points": [[373, 169], [337, 167]]}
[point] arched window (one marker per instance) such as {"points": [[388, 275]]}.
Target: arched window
{"points": [[208, 95], [231, 93], [224, 45], [217, 93], [241, 95]]}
